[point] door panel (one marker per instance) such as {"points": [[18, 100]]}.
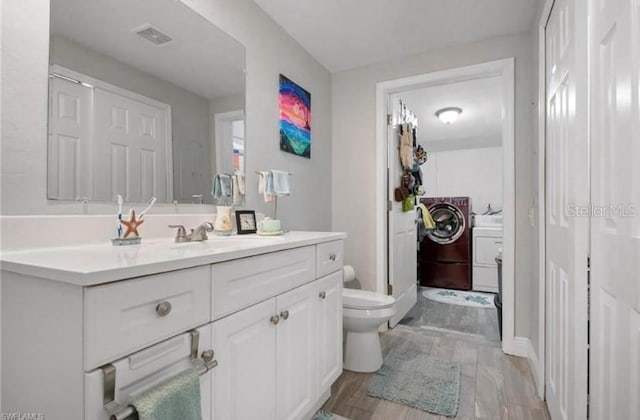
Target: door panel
{"points": [[296, 383], [329, 330], [567, 189], [244, 382], [615, 180], [402, 233], [130, 153], [69, 140]]}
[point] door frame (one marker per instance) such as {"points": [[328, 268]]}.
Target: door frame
{"points": [[222, 121], [539, 367], [505, 68]]}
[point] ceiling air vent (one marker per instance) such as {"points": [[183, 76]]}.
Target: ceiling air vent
{"points": [[153, 34]]}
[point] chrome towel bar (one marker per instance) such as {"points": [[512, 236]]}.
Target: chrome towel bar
{"points": [[202, 368], [203, 365]]}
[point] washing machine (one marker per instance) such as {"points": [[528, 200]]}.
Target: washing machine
{"points": [[445, 252]]}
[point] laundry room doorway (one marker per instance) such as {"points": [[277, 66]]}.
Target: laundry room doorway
{"points": [[401, 185]]}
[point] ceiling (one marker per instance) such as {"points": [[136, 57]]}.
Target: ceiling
{"points": [[201, 58], [479, 125], [347, 34]]}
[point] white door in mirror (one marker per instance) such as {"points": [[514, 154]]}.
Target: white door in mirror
{"points": [[69, 140], [130, 148]]}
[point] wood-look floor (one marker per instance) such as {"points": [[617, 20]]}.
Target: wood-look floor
{"points": [[467, 319], [493, 386]]}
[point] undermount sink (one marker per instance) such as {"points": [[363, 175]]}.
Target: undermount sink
{"points": [[488, 220]]}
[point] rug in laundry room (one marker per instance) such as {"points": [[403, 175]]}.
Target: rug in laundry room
{"points": [[460, 297]]}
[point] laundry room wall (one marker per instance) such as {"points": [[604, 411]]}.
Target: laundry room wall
{"points": [[475, 173], [354, 152]]}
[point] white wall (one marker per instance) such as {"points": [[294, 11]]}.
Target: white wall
{"points": [[475, 173], [270, 51], [354, 113]]}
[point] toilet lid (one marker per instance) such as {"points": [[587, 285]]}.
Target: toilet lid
{"points": [[365, 299]]}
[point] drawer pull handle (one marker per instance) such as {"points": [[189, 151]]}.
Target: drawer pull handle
{"points": [[163, 308], [284, 315], [322, 295], [275, 319], [332, 257]]}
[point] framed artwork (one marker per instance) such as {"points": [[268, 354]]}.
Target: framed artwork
{"points": [[246, 222], [295, 118]]}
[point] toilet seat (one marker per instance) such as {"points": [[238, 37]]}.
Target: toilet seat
{"points": [[365, 299]]}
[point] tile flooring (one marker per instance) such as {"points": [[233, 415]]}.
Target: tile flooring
{"points": [[466, 319], [493, 386]]}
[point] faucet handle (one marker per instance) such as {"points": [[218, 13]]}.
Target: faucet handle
{"points": [[181, 234]]}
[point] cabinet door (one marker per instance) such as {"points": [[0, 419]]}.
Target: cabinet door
{"points": [[297, 352], [244, 383], [329, 330]]}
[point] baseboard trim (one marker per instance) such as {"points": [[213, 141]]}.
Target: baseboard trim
{"points": [[523, 347], [520, 347], [534, 364]]}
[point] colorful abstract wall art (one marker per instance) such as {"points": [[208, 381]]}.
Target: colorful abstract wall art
{"points": [[295, 118]]}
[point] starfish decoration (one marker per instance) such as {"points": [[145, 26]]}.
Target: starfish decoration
{"points": [[131, 224]]}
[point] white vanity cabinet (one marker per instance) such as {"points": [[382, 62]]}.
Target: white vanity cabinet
{"points": [[329, 322], [277, 359], [85, 349]]}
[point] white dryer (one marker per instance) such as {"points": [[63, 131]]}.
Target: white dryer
{"points": [[487, 241]]}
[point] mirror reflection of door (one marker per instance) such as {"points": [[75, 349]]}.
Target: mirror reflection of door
{"points": [[133, 96], [230, 142]]}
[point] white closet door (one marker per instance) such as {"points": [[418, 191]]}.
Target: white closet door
{"points": [[70, 110], [567, 188], [403, 237], [615, 241], [131, 148]]}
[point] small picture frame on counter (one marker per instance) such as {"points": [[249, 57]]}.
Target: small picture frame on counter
{"points": [[246, 222]]}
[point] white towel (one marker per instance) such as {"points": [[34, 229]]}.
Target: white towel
{"points": [[238, 188], [264, 178], [280, 183], [242, 185]]}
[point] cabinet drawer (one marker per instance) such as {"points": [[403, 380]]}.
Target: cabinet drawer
{"points": [[145, 369], [129, 315], [329, 258], [241, 283]]}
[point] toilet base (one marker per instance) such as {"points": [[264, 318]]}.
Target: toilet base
{"points": [[363, 352]]}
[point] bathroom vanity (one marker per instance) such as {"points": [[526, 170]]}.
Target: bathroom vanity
{"points": [[87, 329]]}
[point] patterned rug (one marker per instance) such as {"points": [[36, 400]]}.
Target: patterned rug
{"points": [[413, 378], [460, 297]]}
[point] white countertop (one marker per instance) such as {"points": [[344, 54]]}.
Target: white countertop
{"points": [[90, 265]]}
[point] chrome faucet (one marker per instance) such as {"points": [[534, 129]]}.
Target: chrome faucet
{"points": [[196, 235]]}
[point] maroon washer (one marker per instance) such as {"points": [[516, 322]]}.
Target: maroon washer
{"points": [[445, 253]]}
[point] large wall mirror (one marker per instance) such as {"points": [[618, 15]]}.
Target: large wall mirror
{"points": [[146, 99]]}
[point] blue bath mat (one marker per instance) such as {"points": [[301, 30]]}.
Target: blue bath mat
{"points": [[411, 377]]}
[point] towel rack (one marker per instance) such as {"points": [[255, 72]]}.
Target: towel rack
{"points": [[275, 198], [205, 365], [260, 172]]}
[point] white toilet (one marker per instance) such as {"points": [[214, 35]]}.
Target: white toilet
{"points": [[363, 313]]}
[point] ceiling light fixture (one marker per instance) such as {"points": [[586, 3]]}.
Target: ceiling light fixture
{"points": [[448, 115]]}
